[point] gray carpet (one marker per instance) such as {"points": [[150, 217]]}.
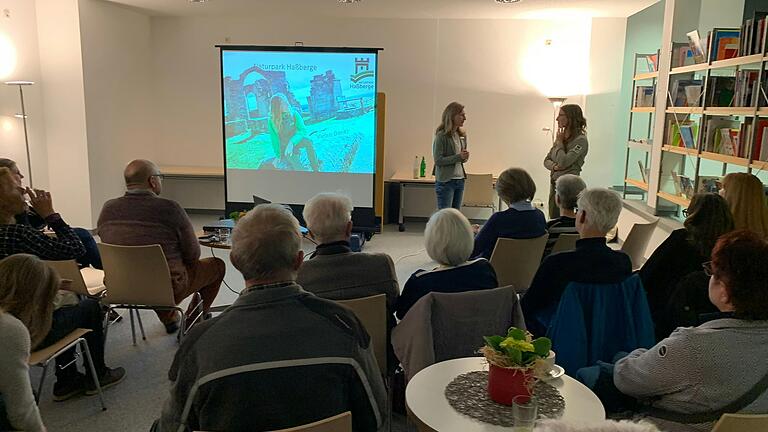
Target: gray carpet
{"points": [[137, 401]]}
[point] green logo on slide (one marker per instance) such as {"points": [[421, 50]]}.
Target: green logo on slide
{"points": [[361, 70]]}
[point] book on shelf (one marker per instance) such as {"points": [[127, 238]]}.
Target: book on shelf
{"points": [[745, 88], [645, 173], [729, 142], [709, 184], [694, 42], [753, 32], [644, 96], [760, 145], [687, 136], [724, 43], [720, 91], [686, 92], [713, 136], [682, 55], [652, 62], [683, 185]]}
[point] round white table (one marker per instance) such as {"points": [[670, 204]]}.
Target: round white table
{"points": [[425, 398]]}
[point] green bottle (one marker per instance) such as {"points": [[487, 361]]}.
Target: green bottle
{"points": [[423, 170]]}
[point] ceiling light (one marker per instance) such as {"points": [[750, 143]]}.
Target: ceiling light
{"points": [[507, 1], [197, 1], [348, 1]]}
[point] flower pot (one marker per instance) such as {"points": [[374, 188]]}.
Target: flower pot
{"points": [[504, 384]]}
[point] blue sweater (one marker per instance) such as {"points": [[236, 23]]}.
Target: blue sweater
{"points": [[472, 275], [510, 223]]}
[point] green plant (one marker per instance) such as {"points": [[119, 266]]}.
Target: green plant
{"points": [[516, 349]]}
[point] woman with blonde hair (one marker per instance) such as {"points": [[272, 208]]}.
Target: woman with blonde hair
{"points": [[289, 135], [746, 198], [448, 241], [568, 151], [449, 151], [27, 290]]}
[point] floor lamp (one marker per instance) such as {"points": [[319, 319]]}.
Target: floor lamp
{"points": [[21, 85], [556, 103]]}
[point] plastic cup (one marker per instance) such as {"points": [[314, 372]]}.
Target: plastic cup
{"points": [[524, 411]]}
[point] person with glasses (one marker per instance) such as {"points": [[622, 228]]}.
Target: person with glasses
{"points": [[672, 275], [141, 217], [689, 378]]}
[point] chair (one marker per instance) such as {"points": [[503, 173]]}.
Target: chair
{"points": [[137, 277], [595, 321], [43, 358], [444, 326], [372, 313], [338, 423], [637, 241], [741, 423], [516, 260], [478, 191], [565, 242], [87, 281]]}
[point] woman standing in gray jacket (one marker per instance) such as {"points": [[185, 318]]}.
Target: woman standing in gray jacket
{"points": [[449, 150], [568, 151]]}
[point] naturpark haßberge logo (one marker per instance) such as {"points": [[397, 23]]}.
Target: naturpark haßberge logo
{"points": [[362, 70]]}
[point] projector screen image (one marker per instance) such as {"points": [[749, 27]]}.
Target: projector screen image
{"points": [[299, 122]]}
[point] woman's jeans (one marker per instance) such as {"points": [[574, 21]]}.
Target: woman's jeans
{"points": [[449, 193]]}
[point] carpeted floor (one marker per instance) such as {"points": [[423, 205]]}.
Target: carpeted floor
{"points": [[136, 402]]}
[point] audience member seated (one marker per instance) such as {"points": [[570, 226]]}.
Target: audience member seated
{"points": [[31, 217], [591, 262], [279, 357], [27, 291], [70, 312], [142, 217], [698, 372], [746, 197], [520, 221], [567, 190], [681, 254], [333, 271], [448, 240]]}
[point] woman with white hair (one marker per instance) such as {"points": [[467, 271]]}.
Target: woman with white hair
{"points": [[567, 190], [448, 240]]}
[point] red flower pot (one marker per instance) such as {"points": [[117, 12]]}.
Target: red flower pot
{"points": [[504, 384]]}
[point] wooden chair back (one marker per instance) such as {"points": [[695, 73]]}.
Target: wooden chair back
{"points": [[372, 313], [136, 275], [517, 260]]}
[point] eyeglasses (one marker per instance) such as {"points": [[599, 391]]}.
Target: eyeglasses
{"points": [[707, 266], [685, 212]]}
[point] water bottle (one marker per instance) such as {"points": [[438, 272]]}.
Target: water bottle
{"points": [[416, 167], [423, 171]]}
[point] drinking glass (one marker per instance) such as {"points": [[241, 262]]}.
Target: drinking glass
{"points": [[524, 412], [224, 235]]}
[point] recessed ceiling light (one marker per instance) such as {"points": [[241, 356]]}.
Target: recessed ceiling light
{"points": [[507, 1], [197, 1], [348, 1]]}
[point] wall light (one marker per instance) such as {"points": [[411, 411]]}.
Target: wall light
{"points": [[7, 57]]}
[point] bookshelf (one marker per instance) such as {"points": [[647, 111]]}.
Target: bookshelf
{"points": [[714, 114], [640, 135]]}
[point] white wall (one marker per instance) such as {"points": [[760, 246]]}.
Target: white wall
{"points": [[116, 50], [20, 60], [58, 25], [425, 64], [605, 162]]}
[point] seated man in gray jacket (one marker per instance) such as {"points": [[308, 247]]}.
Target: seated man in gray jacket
{"points": [[333, 271], [279, 357]]}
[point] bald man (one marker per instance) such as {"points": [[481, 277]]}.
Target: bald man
{"points": [[142, 217]]}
